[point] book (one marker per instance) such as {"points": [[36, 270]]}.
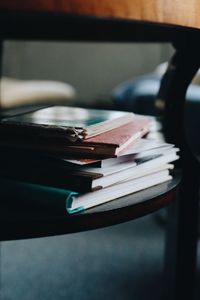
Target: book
{"points": [[127, 170], [41, 197], [108, 144], [85, 201], [62, 122], [140, 148], [84, 178]]}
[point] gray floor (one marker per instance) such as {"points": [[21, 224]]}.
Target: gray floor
{"points": [[119, 262]]}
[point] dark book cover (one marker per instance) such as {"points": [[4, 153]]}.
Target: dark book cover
{"points": [[108, 144], [69, 123]]}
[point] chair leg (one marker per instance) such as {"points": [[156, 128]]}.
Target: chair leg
{"points": [[181, 243], [0, 271], [181, 237], [1, 63]]}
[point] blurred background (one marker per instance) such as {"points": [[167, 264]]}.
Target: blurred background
{"points": [[93, 69]]}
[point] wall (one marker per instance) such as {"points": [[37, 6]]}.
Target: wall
{"points": [[92, 68]]}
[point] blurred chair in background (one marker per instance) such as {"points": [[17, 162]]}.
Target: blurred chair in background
{"points": [[15, 92], [139, 95]]}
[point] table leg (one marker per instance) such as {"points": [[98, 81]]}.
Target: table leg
{"points": [[181, 237], [0, 270], [1, 52]]}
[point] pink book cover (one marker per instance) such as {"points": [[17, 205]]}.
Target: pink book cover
{"points": [[119, 136]]}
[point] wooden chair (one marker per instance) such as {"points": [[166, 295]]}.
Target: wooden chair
{"points": [[124, 21]]}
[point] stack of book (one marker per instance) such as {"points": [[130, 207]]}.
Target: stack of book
{"points": [[89, 156]]}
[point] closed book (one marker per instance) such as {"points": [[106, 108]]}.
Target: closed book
{"points": [[68, 123], [55, 177], [131, 169], [108, 144], [115, 191], [85, 179], [40, 197], [141, 148]]}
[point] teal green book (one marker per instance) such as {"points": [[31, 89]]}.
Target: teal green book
{"points": [[35, 195], [44, 198]]}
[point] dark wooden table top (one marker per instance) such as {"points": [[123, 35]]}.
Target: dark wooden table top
{"points": [[94, 20], [183, 13]]}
